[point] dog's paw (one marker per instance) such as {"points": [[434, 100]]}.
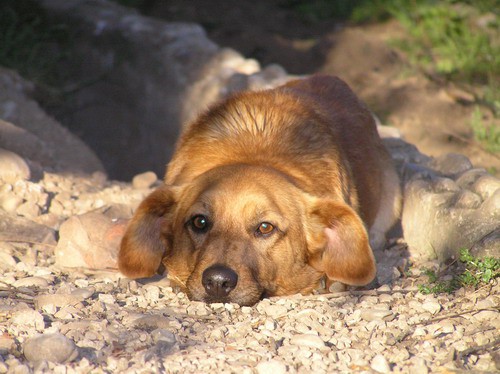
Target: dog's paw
{"points": [[377, 240]]}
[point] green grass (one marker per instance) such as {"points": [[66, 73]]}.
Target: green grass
{"points": [[457, 40], [487, 135], [475, 272]]}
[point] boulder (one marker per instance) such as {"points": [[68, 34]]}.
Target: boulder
{"points": [[91, 240], [27, 130], [441, 216]]}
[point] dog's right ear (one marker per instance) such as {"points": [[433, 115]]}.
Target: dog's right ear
{"points": [[144, 244]]}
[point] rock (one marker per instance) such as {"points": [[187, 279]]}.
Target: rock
{"points": [[272, 310], [486, 186], [380, 365], [431, 306], [51, 347], [34, 135], [271, 367], [19, 229], [10, 202], [28, 317], [12, 166], [144, 180], [28, 209], [57, 300], [90, 240], [307, 340], [162, 335], [31, 282], [377, 315], [451, 164], [439, 217], [7, 262], [487, 246], [6, 345]]}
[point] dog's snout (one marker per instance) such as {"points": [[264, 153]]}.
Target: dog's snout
{"points": [[219, 281]]}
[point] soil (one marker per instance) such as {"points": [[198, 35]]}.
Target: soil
{"points": [[430, 112]]}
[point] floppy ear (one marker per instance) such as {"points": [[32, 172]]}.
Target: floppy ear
{"points": [[144, 244], [339, 244]]}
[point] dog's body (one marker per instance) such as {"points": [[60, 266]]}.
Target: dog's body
{"points": [[268, 192]]}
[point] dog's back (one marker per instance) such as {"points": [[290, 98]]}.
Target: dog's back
{"points": [[316, 131]]}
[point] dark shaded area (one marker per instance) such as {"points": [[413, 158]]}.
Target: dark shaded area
{"points": [[285, 32]]}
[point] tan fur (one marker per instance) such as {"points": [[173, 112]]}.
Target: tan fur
{"points": [[305, 157]]}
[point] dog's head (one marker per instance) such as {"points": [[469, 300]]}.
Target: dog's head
{"points": [[239, 233]]}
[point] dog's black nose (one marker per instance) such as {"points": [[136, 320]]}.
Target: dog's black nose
{"points": [[219, 281]]}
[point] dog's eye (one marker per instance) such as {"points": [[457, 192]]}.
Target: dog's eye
{"points": [[265, 228], [199, 223]]}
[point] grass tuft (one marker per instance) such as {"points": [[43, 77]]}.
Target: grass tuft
{"points": [[476, 272]]}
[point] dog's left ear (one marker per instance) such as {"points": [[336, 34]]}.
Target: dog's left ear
{"points": [[144, 245], [338, 243]]}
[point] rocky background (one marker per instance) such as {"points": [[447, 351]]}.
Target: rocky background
{"points": [[64, 203]]}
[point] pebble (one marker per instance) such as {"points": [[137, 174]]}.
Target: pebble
{"points": [[486, 316], [13, 166], [377, 315], [6, 261], [271, 367], [51, 347], [58, 300], [144, 180], [308, 340], [83, 293], [380, 365], [31, 282], [272, 310], [432, 307], [28, 317], [10, 202]]}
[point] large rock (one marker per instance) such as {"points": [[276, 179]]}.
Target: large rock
{"points": [[91, 240], [19, 229], [148, 76], [28, 131], [443, 215]]}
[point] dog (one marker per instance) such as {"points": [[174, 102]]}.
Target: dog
{"points": [[267, 193]]}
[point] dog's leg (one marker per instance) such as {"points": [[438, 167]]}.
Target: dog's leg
{"points": [[390, 208]]}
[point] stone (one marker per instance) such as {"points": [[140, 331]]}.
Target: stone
{"points": [[12, 166], [431, 306], [144, 180], [90, 240], [271, 367], [51, 347], [307, 340], [380, 365], [28, 131], [28, 317], [487, 246], [486, 186], [438, 220], [19, 229], [7, 262], [31, 282], [28, 209], [57, 300], [377, 315], [451, 164]]}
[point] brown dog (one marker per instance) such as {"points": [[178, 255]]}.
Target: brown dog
{"points": [[268, 192]]}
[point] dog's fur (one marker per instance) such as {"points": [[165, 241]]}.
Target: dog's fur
{"points": [[304, 157]]}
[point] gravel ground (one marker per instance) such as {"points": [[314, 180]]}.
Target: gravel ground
{"points": [[64, 320]]}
